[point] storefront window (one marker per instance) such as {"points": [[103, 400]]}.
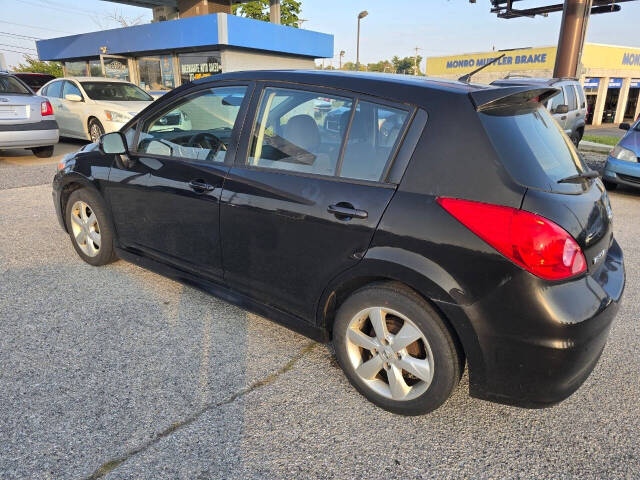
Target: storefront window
{"points": [[156, 73], [95, 68], [76, 69], [116, 67], [198, 65]]}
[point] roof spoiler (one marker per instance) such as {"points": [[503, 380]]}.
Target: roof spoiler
{"points": [[510, 96]]}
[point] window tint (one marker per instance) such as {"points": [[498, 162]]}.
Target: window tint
{"points": [[532, 146], [70, 89], [115, 91], [373, 134], [11, 85], [581, 100], [299, 131], [572, 102], [198, 127], [55, 89], [557, 100]]}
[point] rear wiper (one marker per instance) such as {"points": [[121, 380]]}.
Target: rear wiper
{"points": [[579, 177]]}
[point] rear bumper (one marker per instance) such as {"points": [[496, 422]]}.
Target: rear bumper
{"points": [[28, 138], [538, 345], [619, 171]]}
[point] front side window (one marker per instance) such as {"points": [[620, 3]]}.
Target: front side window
{"points": [[299, 131], [556, 101], [572, 102], [115, 91], [198, 127], [372, 138], [70, 88]]}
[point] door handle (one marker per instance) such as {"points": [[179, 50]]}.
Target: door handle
{"points": [[563, 117], [346, 211], [200, 186]]}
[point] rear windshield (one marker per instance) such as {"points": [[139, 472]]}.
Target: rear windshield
{"points": [[11, 85], [532, 146], [115, 91]]}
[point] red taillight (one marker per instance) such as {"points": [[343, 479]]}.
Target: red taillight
{"points": [[535, 243], [46, 108]]}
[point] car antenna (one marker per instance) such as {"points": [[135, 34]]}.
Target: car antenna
{"points": [[467, 77]]}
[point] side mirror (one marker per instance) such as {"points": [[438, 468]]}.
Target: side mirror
{"points": [[73, 97], [624, 126], [562, 109], [113, 144]]}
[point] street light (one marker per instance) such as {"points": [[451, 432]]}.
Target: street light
{"points": [[361, 15], [342, 52]]}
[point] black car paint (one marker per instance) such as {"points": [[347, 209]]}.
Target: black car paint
{"points": [[528, 341]]}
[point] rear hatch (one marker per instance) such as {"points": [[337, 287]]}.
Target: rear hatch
{"points": [[538, 155], [18, 104]]}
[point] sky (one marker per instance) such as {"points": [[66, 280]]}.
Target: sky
{"points": [[396, 27]]}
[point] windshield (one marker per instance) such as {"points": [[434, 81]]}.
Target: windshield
{"points": [[11, 85], [532, 146], [115, 92]]}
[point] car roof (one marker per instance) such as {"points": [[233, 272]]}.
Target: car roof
{"points": [[94, 79], [33, 74]]}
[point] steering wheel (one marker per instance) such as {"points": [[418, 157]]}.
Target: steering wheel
{"points": [[207, 141]]}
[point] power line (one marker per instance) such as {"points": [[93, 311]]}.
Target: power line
{"points": [[9, 34], [32, 26], [60, 8], [24, 54], [17, 46]]}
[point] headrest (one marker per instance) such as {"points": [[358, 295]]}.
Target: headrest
{"points": [[303, 131]]}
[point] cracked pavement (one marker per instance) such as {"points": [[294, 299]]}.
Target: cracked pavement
{"points": [[118, 373]]}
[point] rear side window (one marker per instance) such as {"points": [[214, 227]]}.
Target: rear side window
{"points": [[372, 138], [532, 147], [581, 100], [54, 90], [572, 102], [11, 85]]}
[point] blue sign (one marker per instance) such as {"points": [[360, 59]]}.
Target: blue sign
{"points": [[591, 82], [615, 83], [635, 83]]}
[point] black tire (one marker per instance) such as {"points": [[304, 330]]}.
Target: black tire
{"points": [[609, 185], [43, 152], [447, 356], [105, 252], [575, 138], [95, 129]]}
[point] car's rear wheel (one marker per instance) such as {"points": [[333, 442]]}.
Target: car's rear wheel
{"points": [[89, 228], [96, 130], [43, 152], [396, 350]]}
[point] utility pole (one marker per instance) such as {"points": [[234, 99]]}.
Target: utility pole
{"points": [[575, 17], [342, 52], [415, 61]]}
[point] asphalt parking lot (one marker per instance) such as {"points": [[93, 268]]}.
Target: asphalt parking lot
{"points": [[118, 373]]}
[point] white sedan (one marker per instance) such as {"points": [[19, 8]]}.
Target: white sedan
{"points": [[87, 107]]}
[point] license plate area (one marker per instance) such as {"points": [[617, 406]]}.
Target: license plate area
{"points": [[13, 112]]}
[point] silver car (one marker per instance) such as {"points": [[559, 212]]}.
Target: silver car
{"points": [[26, 120]]}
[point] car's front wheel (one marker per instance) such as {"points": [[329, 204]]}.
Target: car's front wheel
{"points": [[396, 350], [96, 130], [89, 228]]}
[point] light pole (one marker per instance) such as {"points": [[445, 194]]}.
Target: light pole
{"points": [[342, 52], [361, 15]]}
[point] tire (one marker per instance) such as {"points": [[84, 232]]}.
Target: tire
{"points": [[575, 138], [43, 152], [94, 241], [610, 185], [436, 347], [96, 130]]}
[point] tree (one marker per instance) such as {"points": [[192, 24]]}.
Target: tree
{"points": [[34, 65], [259, 10], [116, 18], [406, 65]]}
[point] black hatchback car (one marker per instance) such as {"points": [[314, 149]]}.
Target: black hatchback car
{"points": [[467, 230]]}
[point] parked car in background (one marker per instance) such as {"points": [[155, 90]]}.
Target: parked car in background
{"points": [[26, 120], [35, 80], [87, 107], [472, 233], [568, 107], [623, 165]]}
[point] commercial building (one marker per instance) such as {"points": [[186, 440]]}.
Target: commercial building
{"points": [[610, 74], [162, 55]]}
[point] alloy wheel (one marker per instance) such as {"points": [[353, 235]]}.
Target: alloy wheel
{"points": [[85, 227], [390, 353], [95, 132]]}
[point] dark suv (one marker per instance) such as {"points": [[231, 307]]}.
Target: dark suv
{"points": [[471, 232]]}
